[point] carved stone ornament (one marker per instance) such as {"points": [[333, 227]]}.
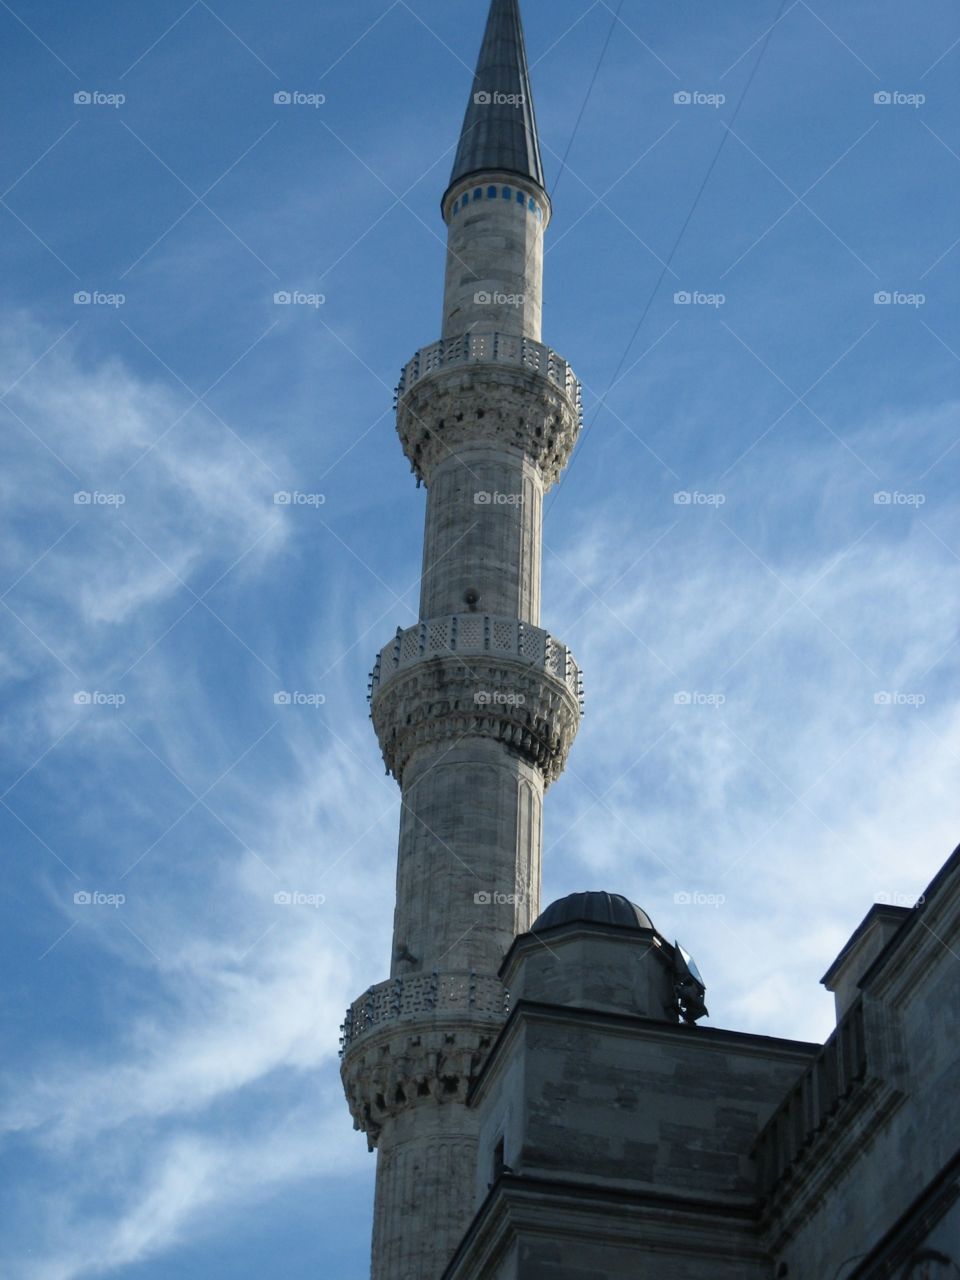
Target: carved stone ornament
{"points": [[443, 699], [470, 404]]}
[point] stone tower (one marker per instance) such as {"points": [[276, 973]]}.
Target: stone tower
{"points": [[476, 706]]}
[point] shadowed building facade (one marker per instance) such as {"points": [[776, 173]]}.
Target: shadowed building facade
{"points": [[541, 1100], [618, 1143]]}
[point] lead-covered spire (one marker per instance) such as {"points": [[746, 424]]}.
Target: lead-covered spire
{"points": [[500, 127]]}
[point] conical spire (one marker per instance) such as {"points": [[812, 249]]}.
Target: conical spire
{"points": [[500, 127]]}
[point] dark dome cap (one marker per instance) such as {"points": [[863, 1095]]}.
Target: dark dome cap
{"points": [[593, 908]]}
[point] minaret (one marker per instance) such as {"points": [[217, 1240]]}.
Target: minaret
{"points": [[476, 706]]}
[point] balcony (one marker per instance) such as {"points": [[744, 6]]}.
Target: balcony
{"points": [[473, 635], [420, 995], [493, 348]]}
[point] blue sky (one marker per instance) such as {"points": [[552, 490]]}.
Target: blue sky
{"points": [[170, 1093]]}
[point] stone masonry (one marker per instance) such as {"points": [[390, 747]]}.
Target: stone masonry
{"points": [[476, 707]]}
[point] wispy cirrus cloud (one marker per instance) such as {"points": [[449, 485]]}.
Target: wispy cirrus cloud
{"points": [[196, 804], [773, 727]]}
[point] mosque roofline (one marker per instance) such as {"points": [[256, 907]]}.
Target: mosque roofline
{"points": [[915, 915]]}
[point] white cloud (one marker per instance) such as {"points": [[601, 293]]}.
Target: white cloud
{"points": [[192, 1179], [180, 503], [798, 799], [245, 996], [254, 998]]}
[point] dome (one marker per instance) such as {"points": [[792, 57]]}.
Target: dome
{"points": [[593, 908]]}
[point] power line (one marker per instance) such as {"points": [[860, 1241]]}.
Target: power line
{"points": [[579, 119], [596, 73], [677, 242]]}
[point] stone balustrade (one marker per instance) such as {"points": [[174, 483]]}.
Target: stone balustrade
{"points": [[420, 994], [473, 635], [493, 348]]}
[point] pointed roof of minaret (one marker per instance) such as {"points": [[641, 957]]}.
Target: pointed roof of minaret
{"points": [[501, 134]]}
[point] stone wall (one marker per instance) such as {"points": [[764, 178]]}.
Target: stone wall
{"points": [[869, 1162], [494, 254], [627, 1147]]}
